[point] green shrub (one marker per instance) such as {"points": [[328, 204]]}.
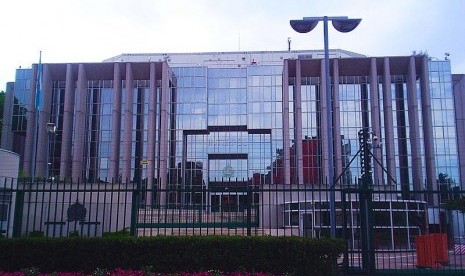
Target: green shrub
{"points": [[36, 234], [73, 234], [122, 233], [277, 255]]}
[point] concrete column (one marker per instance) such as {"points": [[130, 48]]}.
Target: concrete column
{"points": [[459, 103], [151, 139], [128, 123], [68, 115], [298, 125], [44, 118], [29, 147], [116, 124], [375, 123], [164, 113], [388, 123], [323, 126], [7, 134], [80, 121], [337, 123], [414, 127], [427, 125], [286, 133]]}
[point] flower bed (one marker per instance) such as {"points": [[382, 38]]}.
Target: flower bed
{"points": [[122, 272]]}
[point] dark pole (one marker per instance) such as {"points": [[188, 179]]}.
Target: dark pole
{"points": [[368, 261], [342, 24], [329, 124]]}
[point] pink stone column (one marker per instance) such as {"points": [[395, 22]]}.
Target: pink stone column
{"points": [[164, 113], [298, 124], [128, 124], [286, 133], [68, 115], [388, 122], [29, 148], [323, 126], [413, 113], [337, 123], [115, 144], [44, 118], [427, 125], [151, 131], [375, 123], [80, 127]]}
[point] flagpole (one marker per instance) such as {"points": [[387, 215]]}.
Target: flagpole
{"points": [[38, 103]]}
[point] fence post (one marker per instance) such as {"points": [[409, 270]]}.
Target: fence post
{"points": [[18, 214], [134, 210], [249, 210], [345, 260], [366, 230]]}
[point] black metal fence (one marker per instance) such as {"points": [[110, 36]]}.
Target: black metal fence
{"points": [[387, 231]]}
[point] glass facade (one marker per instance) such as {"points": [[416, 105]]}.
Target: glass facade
{"points": [[354, 115], [21, 99], [444, 126], [362, 100], [54, 139], [224, 125], [225, 120], [98, 130]]}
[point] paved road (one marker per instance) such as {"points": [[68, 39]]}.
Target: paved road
{"points": [[405, 260]]}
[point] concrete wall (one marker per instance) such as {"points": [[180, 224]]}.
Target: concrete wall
{"points": [[9, 166], [47, 208]]}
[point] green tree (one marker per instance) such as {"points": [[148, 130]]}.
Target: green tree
{"points": [[449, 192]]}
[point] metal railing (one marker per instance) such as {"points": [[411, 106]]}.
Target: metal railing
{"points": [[380, 224]]}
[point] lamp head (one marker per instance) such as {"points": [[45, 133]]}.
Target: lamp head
{"points": [[345, 25], [303, 25], [51, 127]]}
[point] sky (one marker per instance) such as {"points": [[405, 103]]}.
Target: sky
{"points": [[94, 30]]}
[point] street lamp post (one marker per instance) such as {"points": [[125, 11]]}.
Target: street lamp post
{"points": [[51, 129], [342, 24]]}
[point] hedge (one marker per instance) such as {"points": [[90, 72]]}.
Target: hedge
{"points": [[277, 255]]}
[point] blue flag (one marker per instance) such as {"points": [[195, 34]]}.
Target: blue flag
{"points": [[39, 84]]}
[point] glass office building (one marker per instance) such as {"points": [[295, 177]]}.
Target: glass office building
{"points": [[237, 119], [404, 101]]}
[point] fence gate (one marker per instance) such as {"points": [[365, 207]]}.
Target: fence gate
{"points": [[392, 233], [359, 257], [233, 211]]}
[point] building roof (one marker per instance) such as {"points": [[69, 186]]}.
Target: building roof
{"points": [[230, 59]]}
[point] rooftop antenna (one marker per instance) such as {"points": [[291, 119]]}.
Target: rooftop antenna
{"points": [[239, 40], [289, 44]]}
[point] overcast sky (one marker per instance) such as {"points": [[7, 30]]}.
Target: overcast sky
{"points": [[93, 30]]}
